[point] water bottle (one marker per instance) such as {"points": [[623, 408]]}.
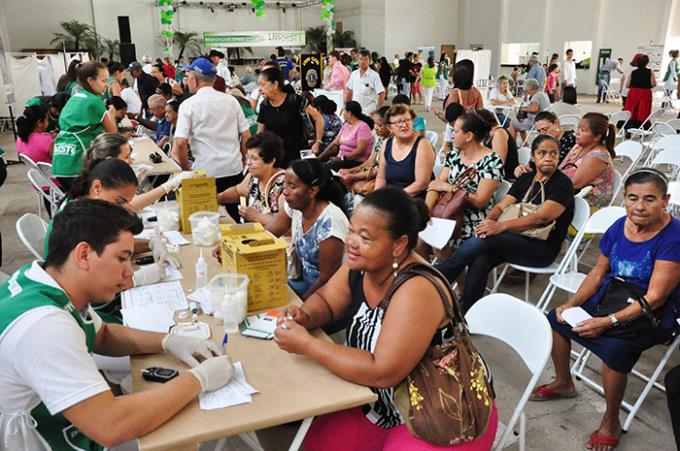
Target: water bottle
{"points": [[201, 272]]}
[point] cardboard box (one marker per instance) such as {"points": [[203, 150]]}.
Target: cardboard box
{"points": [[197, 194], [249, 249]]}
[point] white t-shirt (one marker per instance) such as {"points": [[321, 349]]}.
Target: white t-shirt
{"points": [[134, 103], [365, 89], [212, 122], [495, 94], [43, 357], [569, 72]]}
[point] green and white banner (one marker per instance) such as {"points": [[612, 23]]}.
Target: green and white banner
{"points": [[223, 39]]}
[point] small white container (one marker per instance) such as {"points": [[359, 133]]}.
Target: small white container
{"points": [[167, 214], [205, 228], [229, 294]]}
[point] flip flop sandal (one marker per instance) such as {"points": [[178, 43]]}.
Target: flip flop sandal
{"points": [[543, 393], [606, 440]]}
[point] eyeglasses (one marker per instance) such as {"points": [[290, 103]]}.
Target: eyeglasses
{"points": [[402, 122], [544, 130]]}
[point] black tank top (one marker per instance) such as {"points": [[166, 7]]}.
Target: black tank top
{"points": [[511, 159], [641, 78]]}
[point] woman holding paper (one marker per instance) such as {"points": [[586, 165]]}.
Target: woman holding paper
{"points": [[640, 258], [384, 341]]}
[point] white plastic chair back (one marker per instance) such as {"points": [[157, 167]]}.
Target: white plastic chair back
{"points": [[39, 181], [663, 129], [674, 203], [629, 149], [569, 121], [501, 191], [666, 142], [28, 161], [675, 123], [524, 155], [433, 137], [670, 157], [530, 336], [31, 230], [602, 219], [617, 117], [618, 183], [45, 168]]}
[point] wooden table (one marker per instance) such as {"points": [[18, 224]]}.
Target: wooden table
{"points": [[290, 387], [142, 147]]}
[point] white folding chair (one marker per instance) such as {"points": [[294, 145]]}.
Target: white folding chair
{"points": [[674, 203], [631, 150], [663, 129], [46, 169], [28, 161], [617, 184], [675, 123], [53, 194], [581, 214], [620, 116], [671, 158], [524, 155], [31, 230], [567, 277], [433, 137], [644, 130], [579, 366], [530, 336], [662, 143], [501, 191], [569, 121]]}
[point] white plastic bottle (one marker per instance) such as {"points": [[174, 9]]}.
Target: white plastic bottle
{"points": [[201, 272], [229, 314]]}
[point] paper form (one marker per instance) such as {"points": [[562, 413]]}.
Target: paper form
{"points": [[575, 315], [236, 392], [438, 232], [167, 294]]}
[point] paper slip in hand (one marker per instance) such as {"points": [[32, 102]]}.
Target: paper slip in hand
{"points": [[202, 298], [174, 237], [236, 392], [575, 315], [438, 232]]}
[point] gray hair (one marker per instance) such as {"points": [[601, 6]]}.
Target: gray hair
{"points": [[156, 100], [204, 79], [106, 145], [531, 83]]}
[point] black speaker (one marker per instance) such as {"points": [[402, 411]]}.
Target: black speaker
{"points": [[124, 29], [127, 53]]}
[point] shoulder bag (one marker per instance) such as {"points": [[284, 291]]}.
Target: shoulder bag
{"points": [[619, 294], [308, 126], [525, 208], [447, 398], [451, 205]]}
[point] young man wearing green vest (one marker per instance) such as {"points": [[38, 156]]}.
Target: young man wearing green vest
{"points": [[51, 394]]}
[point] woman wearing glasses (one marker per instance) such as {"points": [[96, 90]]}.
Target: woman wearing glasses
{"points": [[406, 159]]}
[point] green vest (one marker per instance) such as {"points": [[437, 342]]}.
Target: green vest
{"points": [[18, 295], [80, 123]]}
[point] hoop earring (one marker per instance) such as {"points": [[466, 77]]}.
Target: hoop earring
{"points": [[395, 266]]}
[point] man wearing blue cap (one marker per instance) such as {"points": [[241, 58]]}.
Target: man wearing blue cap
{"points": [[211, 122]]}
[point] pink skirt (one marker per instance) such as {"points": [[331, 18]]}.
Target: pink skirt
{"points": [[350, 430]]}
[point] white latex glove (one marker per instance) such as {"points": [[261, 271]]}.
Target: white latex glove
{"points": [[173, 183], [214, 373], [148, 274], [185, 348], [160, 253]]}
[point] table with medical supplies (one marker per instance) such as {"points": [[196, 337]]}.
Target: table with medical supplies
{"points": [[290, 387], [142, 149]]}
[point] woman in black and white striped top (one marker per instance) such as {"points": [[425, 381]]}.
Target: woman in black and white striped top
{"points": [[383, 345]]}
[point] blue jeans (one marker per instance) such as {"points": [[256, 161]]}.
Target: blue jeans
{"points": [[301, 286], [480, 256], [605, 77]]}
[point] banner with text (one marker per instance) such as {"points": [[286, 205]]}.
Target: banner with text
{"points": [[223, 39]]}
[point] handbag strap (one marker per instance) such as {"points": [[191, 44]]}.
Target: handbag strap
{"points": [[638, 295], [465, 177], [453, 312], [268, 185], [542, 191]]}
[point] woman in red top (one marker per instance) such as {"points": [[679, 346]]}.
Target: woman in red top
{"points": [[463, 91], [639, 100]]}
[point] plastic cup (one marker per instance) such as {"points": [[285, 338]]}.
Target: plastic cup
{"points": [[229, 297], [205, 228], [167, 214]]}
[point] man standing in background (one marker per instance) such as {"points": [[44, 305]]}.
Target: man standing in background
{"points": [[569, 70]]}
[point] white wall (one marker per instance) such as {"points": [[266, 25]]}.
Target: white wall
{"points": [[409, 25], [144, 21]]}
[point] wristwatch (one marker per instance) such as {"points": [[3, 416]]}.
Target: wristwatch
{"points": [[615, 322]]}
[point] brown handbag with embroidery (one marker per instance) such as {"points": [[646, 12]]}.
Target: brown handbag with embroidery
{"points": [[447, 398], [451, 205]]}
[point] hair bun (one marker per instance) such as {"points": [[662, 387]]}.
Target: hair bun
{"points": [[423, 213]]}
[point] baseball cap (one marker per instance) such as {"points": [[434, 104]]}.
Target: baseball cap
{"points": [[217, 53], [201, 65], [134, 65]]}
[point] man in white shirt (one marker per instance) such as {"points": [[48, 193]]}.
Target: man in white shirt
{"points": [[212, 123], [51, 394], [134, 103], [364, 86], [569, 69]]}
